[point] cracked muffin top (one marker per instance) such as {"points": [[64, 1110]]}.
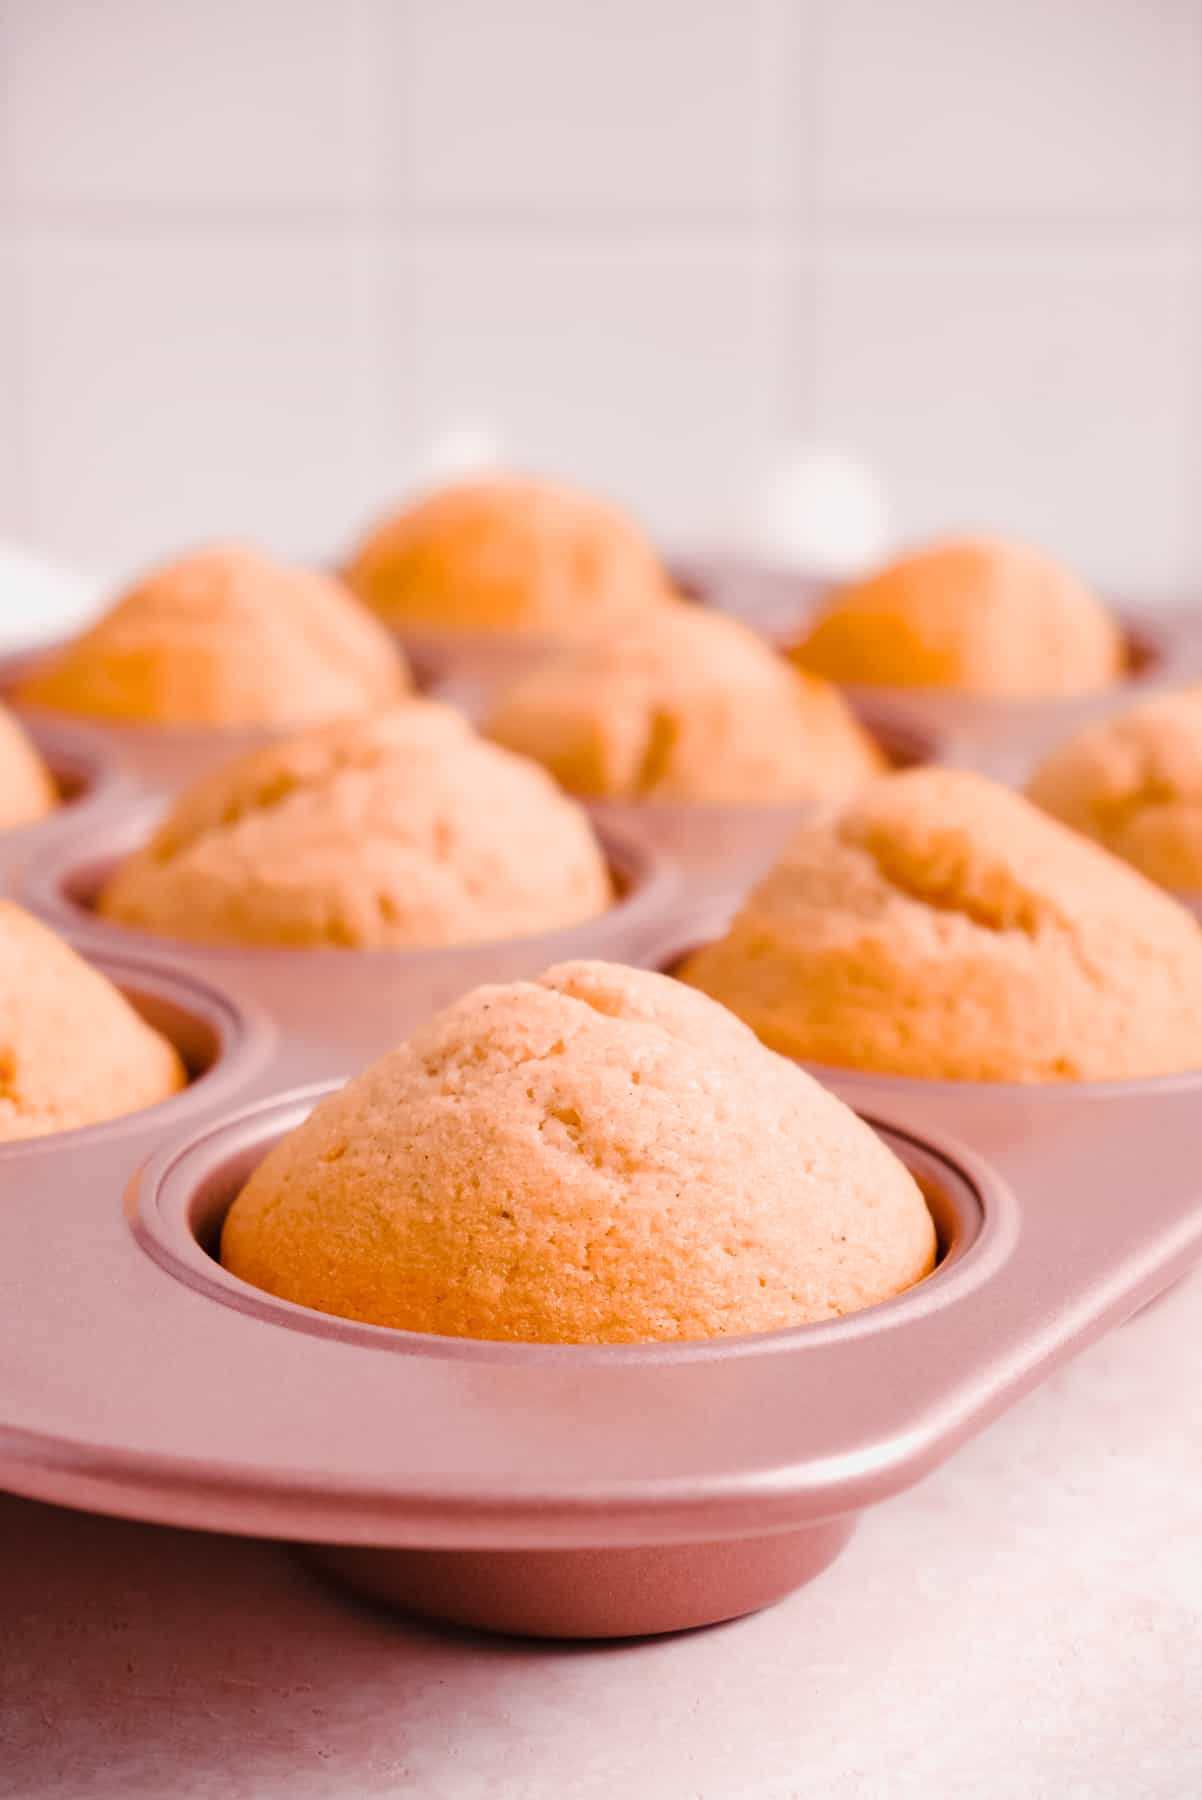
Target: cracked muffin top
{"points": [[403, 828], [940, 925], [507, 554], [691, 706], [598, 1156], [977, 614], [1134, 783], [72, 1049], [225, 637], [27, 790]]}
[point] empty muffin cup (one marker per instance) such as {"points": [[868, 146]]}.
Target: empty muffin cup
{"points": [[608, 1584], [90, 779], [339, 1008]]}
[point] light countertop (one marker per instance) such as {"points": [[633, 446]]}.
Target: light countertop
{"points": [[1027, 1623]]}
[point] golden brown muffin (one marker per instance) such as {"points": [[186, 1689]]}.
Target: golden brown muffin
{"points": [[939, 925], [72, 1049], [226, 637], [403, 828], [507, 554], [976, 614], [1134, 783], [596, 1157], [690, 706], [27, 790]]}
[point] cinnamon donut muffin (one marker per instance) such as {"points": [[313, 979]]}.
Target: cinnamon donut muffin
{"points": [[225, 637], [691, 705], [976, 614], [507, 554], [72, 1049], [940, 925], [400, 829], [599, 1156], [27, 790], [1134, 783]]}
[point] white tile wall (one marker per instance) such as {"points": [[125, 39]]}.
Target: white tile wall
{"points": [[253, 254]]}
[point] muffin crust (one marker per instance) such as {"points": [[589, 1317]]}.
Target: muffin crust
{"points": [[72, 1049], [600, 1156], [938, 925], [225, 637], [976, 614], [691, 706], [400, 829]]}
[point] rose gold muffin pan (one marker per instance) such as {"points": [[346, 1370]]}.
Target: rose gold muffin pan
{"points": [[556, 1490], [1003, 738]]}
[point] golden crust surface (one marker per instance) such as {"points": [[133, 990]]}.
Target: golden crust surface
{"points": [[976, 614], [507, 554], [226, 637], [1134, 784], [939, 925], [600, 1156], [402, 828], [690, 706], [27, 790], [72, 1049]]}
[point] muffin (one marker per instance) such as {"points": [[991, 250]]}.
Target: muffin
{"points": [[940, 925], [1134, 783], [692, 706], [400, 829], [598, 1156], [27, 790], [72, 1049], [225, 637], [975, 614], [507, 554]]}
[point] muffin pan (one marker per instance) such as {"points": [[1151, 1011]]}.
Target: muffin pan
{"points": [[557, 1490], [340, 1008]]}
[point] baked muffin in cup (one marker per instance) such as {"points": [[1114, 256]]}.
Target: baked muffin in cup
{"points": [[597, 1156], [485, 574], [217, 650], [355, 878], [27, 788], [693, 728], [73, 1051], [980, 638], [1133, 783], [939, 926]]}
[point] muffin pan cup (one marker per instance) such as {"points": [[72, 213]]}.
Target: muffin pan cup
{"points": [[163, 758], [93, 784], [490, 657], [563, 1490], [340, 1008]]}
